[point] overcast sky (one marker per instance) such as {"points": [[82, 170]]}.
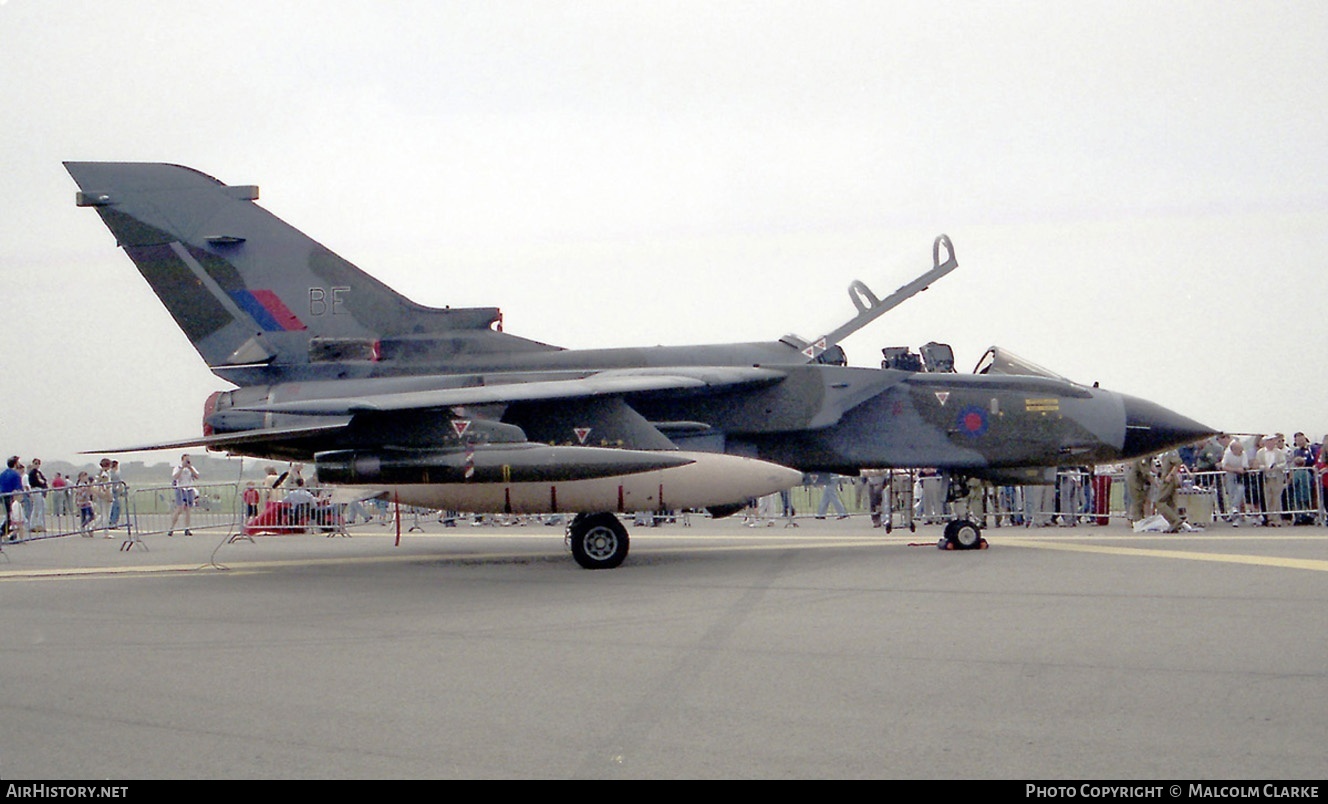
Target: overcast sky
{"points": [[1137, 192]]}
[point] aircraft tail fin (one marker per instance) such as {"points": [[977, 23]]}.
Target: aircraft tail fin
{"points": [[251, 291]]}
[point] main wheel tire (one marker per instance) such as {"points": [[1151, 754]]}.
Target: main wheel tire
{"points": [[963, 535], [599, 541]]}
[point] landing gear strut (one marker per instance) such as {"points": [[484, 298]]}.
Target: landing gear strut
{"points": [[598, 541]]}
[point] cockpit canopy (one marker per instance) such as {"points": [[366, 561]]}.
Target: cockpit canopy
{"points": [[1003, 361]]}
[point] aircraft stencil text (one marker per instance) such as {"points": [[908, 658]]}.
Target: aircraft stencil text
{"points": [[327, 301]]}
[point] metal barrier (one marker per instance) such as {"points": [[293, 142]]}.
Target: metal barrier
{"points": [[168, 509], [1078, 496], [1296, 496], [314, 509], [237, 509], [113, 509], [85, 509], [247, 511], [1266, 497]]}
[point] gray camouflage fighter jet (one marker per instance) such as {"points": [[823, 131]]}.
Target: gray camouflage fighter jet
{"points": [[445, 410]]}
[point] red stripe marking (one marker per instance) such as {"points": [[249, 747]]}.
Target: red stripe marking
{"points": [[274, 305]]}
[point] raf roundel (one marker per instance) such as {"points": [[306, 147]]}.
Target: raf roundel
{"points": [[972, 421]]}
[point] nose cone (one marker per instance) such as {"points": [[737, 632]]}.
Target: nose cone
{"points": [[1151, 428]]}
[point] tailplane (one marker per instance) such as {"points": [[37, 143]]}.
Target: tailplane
{"points": [[259, 299]]}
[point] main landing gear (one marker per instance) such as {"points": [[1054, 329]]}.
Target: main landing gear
{"points": [[598, 541]]}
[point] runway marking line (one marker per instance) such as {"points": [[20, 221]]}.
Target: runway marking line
{"points": [[233, 568], [1319, 565]]}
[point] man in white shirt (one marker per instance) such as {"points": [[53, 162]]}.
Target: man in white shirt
{"points": [[1235, 463], [301, 502], [183, 478]]}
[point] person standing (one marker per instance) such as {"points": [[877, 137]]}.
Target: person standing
{"points": [[786, 502], [60, 496], [271, 483], [1168, 486], [103, 495], [84, 493], [1137, 474], [1071, 502], [875, 480], [37, 482], [1302, 479], [118, 493], [1235, 464], [1039, 505], [183, 478], [1272, 462], [1208, 468], [252, 496], [18, 518], [830, 496], [11, 487], [1321, 471]]}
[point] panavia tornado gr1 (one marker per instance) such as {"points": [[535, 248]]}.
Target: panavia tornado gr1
{"points": [[443, 409]]}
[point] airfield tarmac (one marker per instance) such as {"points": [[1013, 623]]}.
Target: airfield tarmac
{"points": [[717, 650]]}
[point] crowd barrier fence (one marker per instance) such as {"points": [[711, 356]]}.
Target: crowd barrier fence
{"points": [[109, 510], [1295, 496], [87, 510], [1078, 496]]}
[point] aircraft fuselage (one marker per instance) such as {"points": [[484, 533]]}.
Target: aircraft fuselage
{"points": [[812, 417]]}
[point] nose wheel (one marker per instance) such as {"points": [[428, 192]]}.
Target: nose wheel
{"points": [[962, 534]]}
